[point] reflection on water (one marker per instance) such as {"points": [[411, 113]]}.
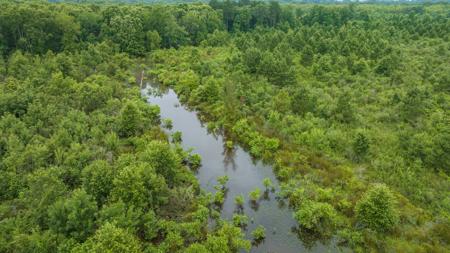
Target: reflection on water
{"points": [[244, 176]]}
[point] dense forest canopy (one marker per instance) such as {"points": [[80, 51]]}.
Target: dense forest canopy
{"points": [[349, 103]]}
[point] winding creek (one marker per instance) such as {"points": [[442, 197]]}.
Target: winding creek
{"points": [[244, 175]]}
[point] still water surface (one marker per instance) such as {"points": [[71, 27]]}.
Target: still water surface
{"points": [[244, 175]]}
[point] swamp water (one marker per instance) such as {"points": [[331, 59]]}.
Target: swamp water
{"points": [[244, 174]]}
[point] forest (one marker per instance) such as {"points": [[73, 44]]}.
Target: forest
{"points": [[348, 103]]}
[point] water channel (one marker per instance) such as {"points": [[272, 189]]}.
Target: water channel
{"points": [[244, 175]]}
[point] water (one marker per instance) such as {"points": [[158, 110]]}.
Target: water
{"points": [[244, 175]]}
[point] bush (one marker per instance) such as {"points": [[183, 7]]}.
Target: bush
{"points": [[195, 161], [376, 209], [177, 137], [267, 183], [167, 123], [129, 120], [74, 216], [229, 144], [223, 180], [255, 194], [218, 198], [239, 200], [240, 220], [259, 233], [316, 216], [110, 239]]}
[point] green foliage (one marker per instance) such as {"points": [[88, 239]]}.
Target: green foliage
{"points": [[82, 161], [259, 233], [223, 180], [227, 239], [255, 194], [130, 218], [219, 198], [163, 159], [73, 217], [377, 209], [129, 123], [110, 239], [267, 183], [83, 167], [97, 180], [177, 137], [197, 248], [167, 123], [239, 200], [195, 161], [44, 188], [361, 146], [152, 40], [317, 216], [126, 30], [240, 220], [112, 141], [139, 185], [353, 238], [336, 98]]}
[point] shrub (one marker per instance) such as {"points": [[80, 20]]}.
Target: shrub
{"points": [[219, 197], [240, 220], [177, 137], [259, 233], [229, 144], [267, 183], [167, 123], [223, 180], [239, 200], [376, 209], [195, 161], [255, 194], [317, 216]]}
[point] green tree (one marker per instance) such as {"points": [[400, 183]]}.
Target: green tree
{"points": [[317, 216], [97, 180], [127, 32], [129, 122], [344, 109], [361, 146], [163, 159], [307, 56], [195, 26], [110, 239], [227, 239], [197, 248], [377, 209], [139, 185], [74, 216], [152, 40], [44, 188]]}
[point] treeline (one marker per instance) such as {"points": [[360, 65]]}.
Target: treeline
{"points": [[137, 29]]}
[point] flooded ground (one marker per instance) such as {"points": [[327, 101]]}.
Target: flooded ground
{"points": [[244, 176]]}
